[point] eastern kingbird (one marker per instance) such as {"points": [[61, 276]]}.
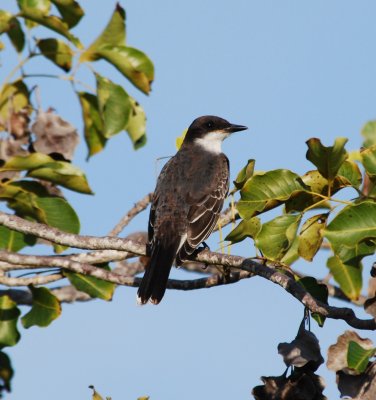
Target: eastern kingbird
{"points": [[187, 201]]}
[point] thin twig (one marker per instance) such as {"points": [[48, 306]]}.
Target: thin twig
{"points": [[229, 215], [136, 209]]}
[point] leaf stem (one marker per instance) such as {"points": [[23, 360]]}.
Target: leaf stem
{"points": [[327, 198], [16, 68], [41, 76]]}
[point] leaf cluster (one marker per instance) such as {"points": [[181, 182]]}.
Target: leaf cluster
{"points": [[37, 146], [312, 210], [106, 110]]}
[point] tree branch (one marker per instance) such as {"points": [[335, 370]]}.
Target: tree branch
{"points": [[35, 280], [251, 267], [94, 257], [294, 288], [68, 294], [69, 239], [65, 294]]}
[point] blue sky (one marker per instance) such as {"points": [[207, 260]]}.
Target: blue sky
{"points": [[289, 70]]}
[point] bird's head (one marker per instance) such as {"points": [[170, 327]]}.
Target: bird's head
{"points": [[210, 131]]}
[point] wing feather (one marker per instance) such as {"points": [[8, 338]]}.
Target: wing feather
{"points": [[203, 214]]}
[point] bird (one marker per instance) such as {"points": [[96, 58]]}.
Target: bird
{"points": [[187, 201]]}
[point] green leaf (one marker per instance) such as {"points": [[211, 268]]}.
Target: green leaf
{"points": [[310, 237], [11, 25], [276, 236], [114, 105], [292, 254], [45, 167], [57, 51], [14, 241], [246, 228], [319, 291], [70, 11], [263, 188], [13, 98], [316, 182], [5, 17], [29, 162], [41, 6], [21, 197], [368, 156], [16, 35], [358, 357], [353, 224], [51, 22], [30, 199], [110, 46], [132, 63], [136, 126], [113, 34], [346, 266], [9, 313], [348, 276], [327, 160], [59, 214], [244, 174], [94, 287], [301, 200], [6, 372], [351, 172], [369, 187], [354, 255], [46, 308], [93, 125], [64, 174], [369, 134]]}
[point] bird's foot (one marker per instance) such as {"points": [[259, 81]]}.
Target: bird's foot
{"points": [[204, 246]]}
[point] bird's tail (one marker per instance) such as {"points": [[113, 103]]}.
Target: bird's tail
{"points": [[154, 281]]}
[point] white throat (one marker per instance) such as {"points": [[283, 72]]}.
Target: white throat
{"points": [[212, 141]]}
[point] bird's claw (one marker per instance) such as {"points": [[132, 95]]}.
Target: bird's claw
{"points": [[204, 246]]}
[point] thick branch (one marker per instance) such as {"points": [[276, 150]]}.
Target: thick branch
{"points": [[94, 257], [34, 280], [206, 257], [69, 239]]}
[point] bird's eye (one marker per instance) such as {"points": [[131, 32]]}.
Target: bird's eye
{"points": [[209, 124]]}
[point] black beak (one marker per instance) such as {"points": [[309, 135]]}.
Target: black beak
{"points": [[236, 128]]}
